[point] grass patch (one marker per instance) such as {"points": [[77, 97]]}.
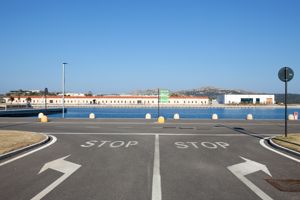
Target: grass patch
{"points": [[12, 140], [292, 141]]}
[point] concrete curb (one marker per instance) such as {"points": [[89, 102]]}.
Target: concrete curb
{"points": [[17, 151], [276, 146]]}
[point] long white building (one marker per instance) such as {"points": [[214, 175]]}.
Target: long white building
{"points": [[246, 99], [109, 100]]}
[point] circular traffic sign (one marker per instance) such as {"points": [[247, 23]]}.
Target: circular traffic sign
{"points": [[285, 74]]}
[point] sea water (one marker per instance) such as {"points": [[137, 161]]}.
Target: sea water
{"points": [[186, 113]]}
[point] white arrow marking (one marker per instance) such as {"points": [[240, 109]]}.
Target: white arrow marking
{"points": [[243, 169], [61, 165]]}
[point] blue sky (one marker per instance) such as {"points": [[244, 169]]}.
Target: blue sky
{"points": [[120, 46]]}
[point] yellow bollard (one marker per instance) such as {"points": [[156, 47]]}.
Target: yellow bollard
{"points": [[161, 120], [44, 119]]}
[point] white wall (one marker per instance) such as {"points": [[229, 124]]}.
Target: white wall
{"points": [[111, 101], [236, 99]]}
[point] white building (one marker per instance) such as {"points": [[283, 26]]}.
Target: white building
{"points": [[246, 99], [110, 100]]}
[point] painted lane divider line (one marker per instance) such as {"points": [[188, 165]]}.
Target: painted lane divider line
{"points": [[243, 169], [61, 165], [53, 140], [156, 180]]}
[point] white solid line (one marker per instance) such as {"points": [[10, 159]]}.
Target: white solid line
{"points": [[273, 143], [30, 152], [262, 142], [152, 134], [156, 181]]}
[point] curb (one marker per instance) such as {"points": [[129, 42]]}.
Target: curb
{"points": [[17, 151], [276, 146]]}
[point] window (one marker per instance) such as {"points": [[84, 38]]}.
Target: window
{"points": [[51, 101]]}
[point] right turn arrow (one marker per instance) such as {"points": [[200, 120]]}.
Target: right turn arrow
{"points": [[242, 169]]}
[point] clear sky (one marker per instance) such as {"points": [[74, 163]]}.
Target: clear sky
{"points": [[120, 46]]}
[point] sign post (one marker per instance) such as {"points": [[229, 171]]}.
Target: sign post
{"points": [[285, 74], [45, 93], [163, 97]]}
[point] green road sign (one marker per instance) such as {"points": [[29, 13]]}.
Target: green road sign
{"points": [[164, 96]]}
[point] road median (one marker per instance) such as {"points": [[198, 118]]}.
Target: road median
{"points": [[292, 141], [12, 142]]}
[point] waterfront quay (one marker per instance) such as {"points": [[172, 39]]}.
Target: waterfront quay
{"points": [[135, 159], [29, 112]]}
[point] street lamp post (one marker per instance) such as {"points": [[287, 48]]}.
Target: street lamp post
{"points": [[63, 93]]}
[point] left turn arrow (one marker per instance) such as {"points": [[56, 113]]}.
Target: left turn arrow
{"points": [[61, 165]]}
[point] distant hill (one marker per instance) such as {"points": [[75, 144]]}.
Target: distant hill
{"points": [[292, 98], [213, 92], [145, 92]]}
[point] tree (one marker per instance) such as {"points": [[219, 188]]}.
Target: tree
{"points": [[28, 99], [11, 99]]}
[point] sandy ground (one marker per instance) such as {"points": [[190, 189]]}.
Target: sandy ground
{"points": [[12, 140], [292, 141]]}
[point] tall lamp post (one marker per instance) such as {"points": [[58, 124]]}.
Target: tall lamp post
{"points": [[63, 93]]}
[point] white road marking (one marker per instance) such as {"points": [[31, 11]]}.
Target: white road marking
{"points": [[242, 169], [156, 181], [61, 165], [30, 152], [161, 134], [262, 143]]}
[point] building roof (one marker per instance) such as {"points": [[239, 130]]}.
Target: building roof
{"points": [[114, 97]]}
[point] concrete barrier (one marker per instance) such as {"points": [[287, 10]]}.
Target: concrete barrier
{"points": [[214, 116], [148, 116], [40, 115], [291, 117], [249, 117], [44, 119], [176, 116], [296, 115], [161, 120], [92, 116]]}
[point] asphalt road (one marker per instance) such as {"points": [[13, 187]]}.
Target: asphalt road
{"points": [[138, 159]]}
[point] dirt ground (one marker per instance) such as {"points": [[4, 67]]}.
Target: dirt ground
{"points": [[12, 140]]}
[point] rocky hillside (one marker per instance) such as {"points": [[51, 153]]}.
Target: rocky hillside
{"points": [[213, 92]]}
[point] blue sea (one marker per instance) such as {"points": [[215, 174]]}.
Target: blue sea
{"points": [[186, 113]]}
